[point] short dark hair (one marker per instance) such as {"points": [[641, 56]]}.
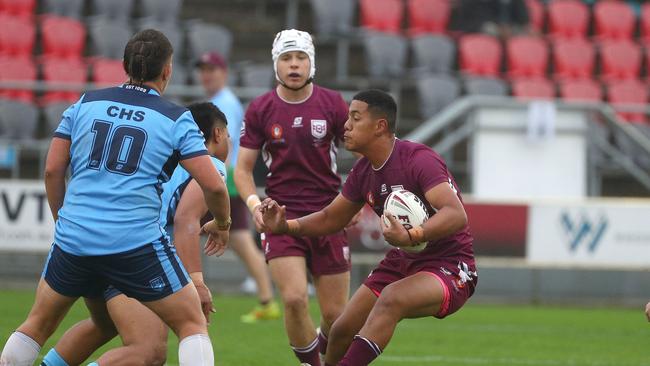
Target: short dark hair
{"points": [[207, 116], [380, 104], [146, 54]]}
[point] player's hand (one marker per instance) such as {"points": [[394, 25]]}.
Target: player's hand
{"points": [[274, 216], [394, 232], [259, 220], [647, 311], [206, 299], [217, 239]]}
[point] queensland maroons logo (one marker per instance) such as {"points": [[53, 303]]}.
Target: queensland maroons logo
{"points": [[276, 131], [318, 128]]}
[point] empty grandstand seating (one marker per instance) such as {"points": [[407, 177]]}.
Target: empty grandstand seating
{"points": [[62, 37], [428, 16], [527, 57], [568, 19], [108, 38], [20, 70], [485, 86], [433, 53], [480, 54], [382, 15], [628, 92], [614, 20], [18, 8], [52, 113], [536, 15], [584, 90], [385, 54], [256, 75], [436, 92], [107, 72], [533, 89], [620, 60], [166, 11], [573, 58], [19, 120], [17, 36], [64, 8], [203, 37], [333, 17], [116, 10], [62, 71]]}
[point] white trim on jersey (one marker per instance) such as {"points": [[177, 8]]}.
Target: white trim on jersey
{"points": [[334, 151], [267, 158]]}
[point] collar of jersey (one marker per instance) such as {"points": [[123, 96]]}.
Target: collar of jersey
{"points": [[140, 88]]}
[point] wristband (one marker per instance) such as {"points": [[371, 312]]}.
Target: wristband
{"points": [[223, 225], [252, 202], [416, 235], [293, 227]]}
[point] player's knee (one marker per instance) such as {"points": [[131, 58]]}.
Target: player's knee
{"points": [[152, 354], [330, 314], [390, 302], [295, 302]]}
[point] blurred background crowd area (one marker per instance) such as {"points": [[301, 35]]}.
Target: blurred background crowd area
{"points": [[427, 53]]}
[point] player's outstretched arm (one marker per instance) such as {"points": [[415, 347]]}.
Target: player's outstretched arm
{"points": [[56, 165], [334, 217], [243, 177]]}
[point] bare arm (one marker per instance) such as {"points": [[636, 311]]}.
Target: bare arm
{"points": [[187, 237], [58, 159], [214, 188], [449, 219], [245, 183], [334, 217]]}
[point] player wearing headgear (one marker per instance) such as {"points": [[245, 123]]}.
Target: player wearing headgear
{"points": [[297, 127]]}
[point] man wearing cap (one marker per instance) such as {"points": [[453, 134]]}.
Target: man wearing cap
{"points": [[298, 126], [213, 73]]}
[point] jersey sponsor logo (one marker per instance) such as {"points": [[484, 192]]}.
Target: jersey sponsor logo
{"points": [[276, 131], [318, 128], [297, 122], [123, 113], [384, 189]]}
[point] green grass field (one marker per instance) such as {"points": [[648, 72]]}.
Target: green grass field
{"points": [[477, 335]]}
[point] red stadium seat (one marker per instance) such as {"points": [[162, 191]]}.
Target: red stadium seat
{"points": [[108, 72], [568, 19], [19, 8], [573, 58], [620, 60], [585, 90], [533, 89], [63, 37], [19, 70], [480, 54], [644, 23], [527, 57], [628, 92], [382, 15], [536, 15], [428, 16], [614, 20], [62, 71], [17, 36]]}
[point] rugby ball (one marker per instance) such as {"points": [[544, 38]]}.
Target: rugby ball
{"points": [[409, 210]]}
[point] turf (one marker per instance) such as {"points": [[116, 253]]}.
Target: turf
{"points": [[477, 335]]}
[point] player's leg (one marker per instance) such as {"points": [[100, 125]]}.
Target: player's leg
{"points": [[46, 314], [332, 291], [349, 323], [83, 338], [418, 295], [290, 277], [243, 244], [144, 335]]}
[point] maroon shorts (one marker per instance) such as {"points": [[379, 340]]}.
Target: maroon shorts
{"points": [[324, 255], [239, 214], [458, 279]]}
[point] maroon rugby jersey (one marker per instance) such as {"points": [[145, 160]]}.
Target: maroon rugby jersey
{"points": [[416, 168], [299, 146]]}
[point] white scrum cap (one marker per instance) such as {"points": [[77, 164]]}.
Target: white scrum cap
{"points": [[293, 40]]}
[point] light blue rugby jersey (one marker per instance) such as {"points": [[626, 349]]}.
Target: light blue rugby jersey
{"points": [[173, 190], [125, 143]]}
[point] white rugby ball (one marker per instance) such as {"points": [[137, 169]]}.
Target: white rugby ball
{"points": [[409, 210]]}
